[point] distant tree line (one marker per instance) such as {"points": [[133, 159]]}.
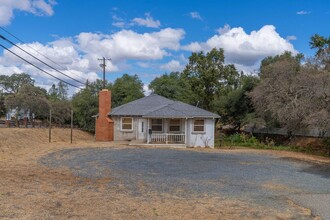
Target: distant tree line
{"points": [[290, 91]]}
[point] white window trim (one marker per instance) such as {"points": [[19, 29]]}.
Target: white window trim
{"points": [[199, 132], [158, 124], [180, 125], [121, 124]]}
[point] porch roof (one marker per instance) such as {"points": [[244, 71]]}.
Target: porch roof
{"points": [[155, 106]]}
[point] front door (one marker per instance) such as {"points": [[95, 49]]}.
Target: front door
{"points": [[142, 131]]}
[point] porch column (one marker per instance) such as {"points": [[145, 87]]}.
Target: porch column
{"points": [[185, 132], [148, 135]]}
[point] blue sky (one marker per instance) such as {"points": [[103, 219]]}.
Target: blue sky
{"points": [[149, 38]]}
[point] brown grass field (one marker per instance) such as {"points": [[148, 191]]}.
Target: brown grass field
{"points": [[29, 190]]}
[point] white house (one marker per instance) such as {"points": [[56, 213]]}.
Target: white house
{"points": [[157, 120]]}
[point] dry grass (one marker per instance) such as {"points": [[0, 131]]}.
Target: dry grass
{"points": [[31, 191]]}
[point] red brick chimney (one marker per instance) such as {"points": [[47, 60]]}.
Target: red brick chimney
{"points": [[104, 128]]}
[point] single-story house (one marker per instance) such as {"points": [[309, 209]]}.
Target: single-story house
{"points": [[157, 120]]}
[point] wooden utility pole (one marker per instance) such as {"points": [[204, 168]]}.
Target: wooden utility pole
{"points": [[50, 126], [71, 125], [103, 65]]}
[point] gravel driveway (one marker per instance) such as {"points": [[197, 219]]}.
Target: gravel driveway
{"points": [[263, 179]]}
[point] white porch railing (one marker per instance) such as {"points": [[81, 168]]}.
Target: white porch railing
{"points": [[167, 138]]}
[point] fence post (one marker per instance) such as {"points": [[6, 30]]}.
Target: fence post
{"points": [[50, 126], [71, 126]]}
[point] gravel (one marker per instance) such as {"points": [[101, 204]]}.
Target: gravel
{"points": [[263, 179]]}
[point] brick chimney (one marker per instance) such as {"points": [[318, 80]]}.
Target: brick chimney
{"points": [[104, 128]]}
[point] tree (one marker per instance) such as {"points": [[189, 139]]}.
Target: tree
{"points": [[29, 99], [172, 86], [280, 95], [208, 76], [295, 95], [236, 106], [85, 105], [126, 89], [322, 44], [59, 92], [11, 84]]}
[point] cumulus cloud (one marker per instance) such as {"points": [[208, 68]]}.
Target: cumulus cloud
{"points": [[303, 12], [195, 15], [147, 22], [172, 66], [243, 48], [78, 56], [37, 7]]}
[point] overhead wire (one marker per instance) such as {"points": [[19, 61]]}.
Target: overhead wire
{"points": [[39, 67], [4, 38], [40, 53]]}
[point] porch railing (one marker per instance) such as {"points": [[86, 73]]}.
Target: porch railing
{"points": [[167, 138]]}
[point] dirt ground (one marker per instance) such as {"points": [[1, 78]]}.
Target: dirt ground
{"points": [[29, 190]]}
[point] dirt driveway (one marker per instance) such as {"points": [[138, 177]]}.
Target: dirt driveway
{"points": [[105, 181]]}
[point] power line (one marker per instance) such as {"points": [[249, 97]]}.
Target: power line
{"points": [[40, 60], [39, 67], [40, 53]]}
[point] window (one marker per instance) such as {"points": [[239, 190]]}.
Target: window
{"points": [[157, 125], [199, 125], [175, 125], [127, 124]]}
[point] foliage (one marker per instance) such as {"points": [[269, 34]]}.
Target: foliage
{"points": [[172, 86], [59, 92], [11, 84], [29, 98], [126, 89], [61, 111], [85, 105], [208, 77], [322, 44], [235, 105]]}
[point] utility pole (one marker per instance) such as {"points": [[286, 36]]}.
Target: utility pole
{"points": [[103, 65]]}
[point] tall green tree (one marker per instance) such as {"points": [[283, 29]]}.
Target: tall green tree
{"points": [[208, 76], [85, 105], [11, 84], [59, 91], [235, 106], [126, 89], [173, 86]]}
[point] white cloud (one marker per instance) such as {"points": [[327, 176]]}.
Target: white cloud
{"points": [[78, 56], [37, 7], [172, 66], [146, 89], [195, 15], [147, 22], [226, 28], [303, 12], [245, 49], [291, 37]]}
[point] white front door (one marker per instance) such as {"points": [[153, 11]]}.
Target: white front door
{"points": [[142, 131]]}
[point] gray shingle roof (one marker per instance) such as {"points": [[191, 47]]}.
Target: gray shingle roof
{"points": [[158, 106]]}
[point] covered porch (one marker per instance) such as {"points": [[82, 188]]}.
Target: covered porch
{"points": [[163, 130]]}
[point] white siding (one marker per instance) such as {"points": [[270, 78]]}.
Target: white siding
{"points": [[120, 135], [201, 139]]}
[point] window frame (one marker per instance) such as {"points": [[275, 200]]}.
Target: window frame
{"points": [[179, 124], [121, 124], [194, 125], [162, 124]]}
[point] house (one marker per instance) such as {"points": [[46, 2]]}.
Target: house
{"points": [[157, 120]]}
